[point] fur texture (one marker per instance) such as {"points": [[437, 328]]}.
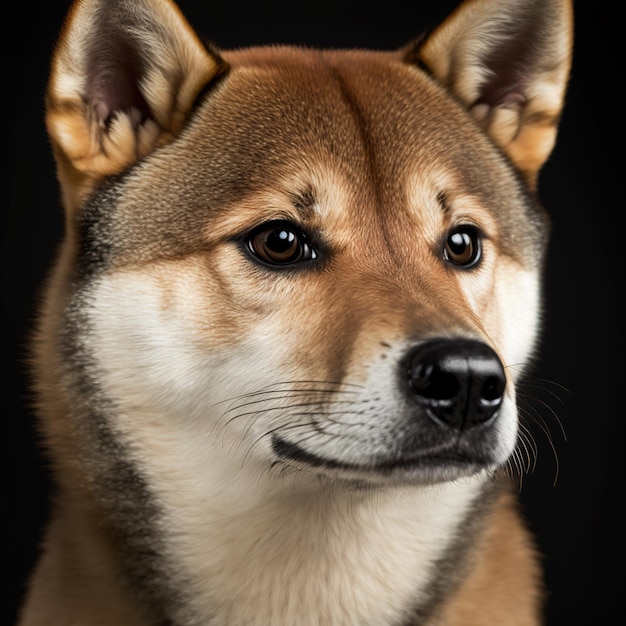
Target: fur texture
{"points": [[277, 360]]}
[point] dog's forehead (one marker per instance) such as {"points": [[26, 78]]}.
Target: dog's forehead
{"points": [[375, 130], [367, 114], [380, 124]]}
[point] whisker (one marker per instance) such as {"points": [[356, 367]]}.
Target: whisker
{"points": [[288, 406], [526, 435], [288, 388], [545, 386], [329, 417], [300, 402], [525, 462], [513, 469], [553, 412], [539, 421], [285, 408], [529, 410], [532, 408]]}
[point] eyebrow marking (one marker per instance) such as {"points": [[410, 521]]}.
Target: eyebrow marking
{"points": [[304, 202], [442, 199]]}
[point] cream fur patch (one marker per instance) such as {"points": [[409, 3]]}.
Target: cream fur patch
{"points": [[237, 531]]}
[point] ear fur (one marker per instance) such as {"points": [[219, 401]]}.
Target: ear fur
{"points": [[508, 61], [124, 77]]}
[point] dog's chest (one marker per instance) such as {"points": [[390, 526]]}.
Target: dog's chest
{"points": [[324, 562]]}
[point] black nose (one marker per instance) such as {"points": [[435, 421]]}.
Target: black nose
{"points": [[460, 382]]}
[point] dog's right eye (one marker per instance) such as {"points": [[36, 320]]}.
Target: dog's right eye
{"points": [[279, 243]]}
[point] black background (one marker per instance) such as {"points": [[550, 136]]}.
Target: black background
{"points": [[574, 505]]}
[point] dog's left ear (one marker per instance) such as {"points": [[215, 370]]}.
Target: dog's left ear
{"points": [[508, 61]]}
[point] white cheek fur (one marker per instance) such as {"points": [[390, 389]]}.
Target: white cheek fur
{"points": [[182, 412], [155, 362]]}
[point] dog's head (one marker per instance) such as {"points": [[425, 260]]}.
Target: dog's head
{"points": [[326, 261]]}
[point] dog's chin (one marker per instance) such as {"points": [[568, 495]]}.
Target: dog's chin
{"points": [[420, 469]]}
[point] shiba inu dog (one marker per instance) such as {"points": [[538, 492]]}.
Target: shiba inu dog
{"points": [[277, 360]]}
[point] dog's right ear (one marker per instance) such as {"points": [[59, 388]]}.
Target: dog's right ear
{"points": [[124, 77]]}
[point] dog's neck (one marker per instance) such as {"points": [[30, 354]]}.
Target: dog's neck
{"points": [[337, 555]]}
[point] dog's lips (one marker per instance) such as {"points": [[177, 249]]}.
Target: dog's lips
{"points": [[429, 466]]}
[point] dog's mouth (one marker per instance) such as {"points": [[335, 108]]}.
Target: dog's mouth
{"points": [[425, 467]]}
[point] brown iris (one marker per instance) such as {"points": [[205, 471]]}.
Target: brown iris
{"points": [[463, 246], [280, 243]]}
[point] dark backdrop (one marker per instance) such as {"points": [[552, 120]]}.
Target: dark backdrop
{"points": [[575, 504]]}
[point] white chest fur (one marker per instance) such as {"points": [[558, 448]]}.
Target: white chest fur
{"points": [[334, 557]]}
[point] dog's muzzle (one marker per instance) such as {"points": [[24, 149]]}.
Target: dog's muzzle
{"points": [[459, 382], [447, 425]]}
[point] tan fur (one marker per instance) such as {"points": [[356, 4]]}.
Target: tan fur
{"points": [[503, 585], [169, 359]]}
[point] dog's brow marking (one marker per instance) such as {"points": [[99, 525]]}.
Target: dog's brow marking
{"points": [[442, 199], [304, 202]]}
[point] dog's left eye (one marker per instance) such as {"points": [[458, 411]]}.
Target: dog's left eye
{"points": [[280, 243], [463, 246]]}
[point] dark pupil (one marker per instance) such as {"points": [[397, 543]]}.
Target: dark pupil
{"points": [[280, 241], [460, 247], [458, 242], [278, 245]]}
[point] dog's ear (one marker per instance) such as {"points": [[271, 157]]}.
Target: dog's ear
{"points": [[508, 61], [124, 77]]}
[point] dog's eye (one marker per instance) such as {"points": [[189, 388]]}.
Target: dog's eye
{"points": [[463, 246], [280, 243]]}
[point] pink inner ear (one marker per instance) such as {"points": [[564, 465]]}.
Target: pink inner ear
{"points": [[103, 112], [114, 70], [115, 94], [512, 99], [511, 65], [496, 93]]}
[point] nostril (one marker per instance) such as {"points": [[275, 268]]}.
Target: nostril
{"points": [[459, 382], [492, 390], [430, 382]]}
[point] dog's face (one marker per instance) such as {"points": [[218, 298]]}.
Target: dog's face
{"points": [[327, 266], [280, 275]]}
